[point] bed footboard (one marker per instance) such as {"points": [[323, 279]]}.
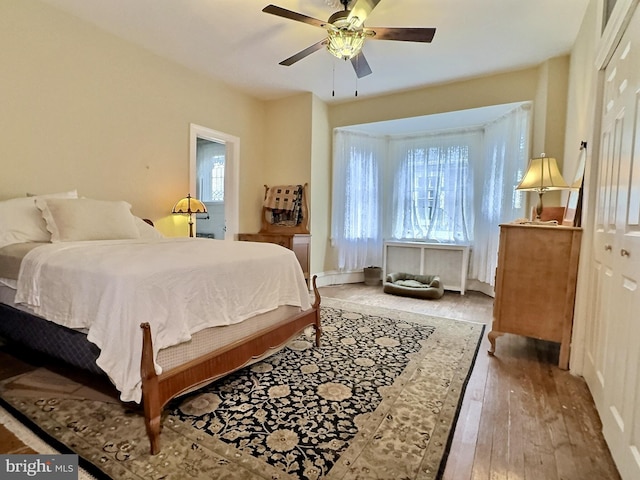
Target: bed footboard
{"points": [[158, 390]]}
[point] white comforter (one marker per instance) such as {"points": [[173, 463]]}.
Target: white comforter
{"points": [[179, 286]]}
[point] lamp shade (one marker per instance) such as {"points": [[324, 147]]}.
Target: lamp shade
{"points": [[189, 205], [543, 175]]}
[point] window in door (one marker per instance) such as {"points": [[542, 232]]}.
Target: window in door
{"points": [[210, 167]]}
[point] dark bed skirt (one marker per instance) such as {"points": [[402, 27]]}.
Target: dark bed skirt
{"points": [[49, 338]]}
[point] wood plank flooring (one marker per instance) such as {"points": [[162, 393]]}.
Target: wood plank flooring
{"points": [[522, 417]]}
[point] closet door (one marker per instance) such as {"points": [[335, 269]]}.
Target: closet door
{"points": [[613, 336]]}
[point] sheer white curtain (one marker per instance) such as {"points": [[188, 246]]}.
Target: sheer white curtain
{"points": [[356, 199], [432, 195], [453, 187], [506, 147]]}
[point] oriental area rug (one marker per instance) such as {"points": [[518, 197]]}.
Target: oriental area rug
{"points": [[379, 399]]}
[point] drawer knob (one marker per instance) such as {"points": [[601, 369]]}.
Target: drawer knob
{"points": [[625, 253], [607, 248]]}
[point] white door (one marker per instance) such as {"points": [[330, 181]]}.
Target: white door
{"points": [[613, 335]]}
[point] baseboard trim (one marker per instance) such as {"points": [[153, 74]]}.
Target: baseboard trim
{"points": [[334, 277], [330, 278]]}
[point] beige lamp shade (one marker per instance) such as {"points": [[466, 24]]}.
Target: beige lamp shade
{"points": [[188, 206], [543, 175]]}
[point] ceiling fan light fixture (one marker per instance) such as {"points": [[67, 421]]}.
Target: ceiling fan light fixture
{"points": [[345, 44]]}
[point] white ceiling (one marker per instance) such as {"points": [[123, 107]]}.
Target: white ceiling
{"points": [[233, 40]]}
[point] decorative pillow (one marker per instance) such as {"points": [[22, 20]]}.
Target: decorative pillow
{"points": [[21, 221], [146, 231], [86, 219]]}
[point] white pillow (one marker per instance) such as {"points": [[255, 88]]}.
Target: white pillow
{"points": [[86, 219], [146, 231], [21, 221]]}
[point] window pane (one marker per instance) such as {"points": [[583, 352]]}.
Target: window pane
{"points": [[217, 181], [210, 160]]}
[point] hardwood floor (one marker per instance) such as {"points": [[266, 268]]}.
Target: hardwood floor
{"points": [[522, 417]]}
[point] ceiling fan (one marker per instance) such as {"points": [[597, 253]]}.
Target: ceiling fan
{"points": [[346, 33]]}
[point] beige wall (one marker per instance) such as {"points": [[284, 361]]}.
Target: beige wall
{"points": [[298, 150], [83, 109], [550, 105], [582, 89], [582, 121], [480, 92], [549, 117], [287, 151], [320, 187]]}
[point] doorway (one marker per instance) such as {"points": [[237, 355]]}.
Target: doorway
{"points": [[213, 179]]}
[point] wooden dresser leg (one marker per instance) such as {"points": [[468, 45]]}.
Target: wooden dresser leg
{"points": [[492, 335]]}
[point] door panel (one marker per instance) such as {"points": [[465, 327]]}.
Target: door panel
{"points": [[613, 339]]}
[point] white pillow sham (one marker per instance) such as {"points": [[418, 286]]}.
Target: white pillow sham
{"points": [[87, 219], [146, 231], [21, 221]]}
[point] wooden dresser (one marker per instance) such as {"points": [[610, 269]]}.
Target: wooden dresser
{"points": [[536, 284], [298, 242]]}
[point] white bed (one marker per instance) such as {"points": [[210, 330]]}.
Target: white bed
{"points": [[206, 307]]}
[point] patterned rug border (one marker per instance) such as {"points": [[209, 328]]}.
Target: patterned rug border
{"points": [[444, 436], [41, 442], [447, 330]]}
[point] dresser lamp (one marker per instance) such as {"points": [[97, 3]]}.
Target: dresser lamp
{"points": [[542, 175], [188, 206]]}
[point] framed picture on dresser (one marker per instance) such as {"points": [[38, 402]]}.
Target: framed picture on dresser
{"points": [[573, 208]]}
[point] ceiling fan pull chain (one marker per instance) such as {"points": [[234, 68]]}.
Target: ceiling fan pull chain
{"points": [[357, 61], [333, 84]]}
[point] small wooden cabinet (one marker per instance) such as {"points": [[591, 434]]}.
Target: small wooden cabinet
{"points": [[536, 284], [298, 242]]}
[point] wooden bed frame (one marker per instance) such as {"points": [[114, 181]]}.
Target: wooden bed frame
{"points": [[158, 390]]}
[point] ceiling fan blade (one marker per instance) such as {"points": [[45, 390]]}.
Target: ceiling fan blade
{"points": [[360, 11], [303, 53], [403, 34], [299, 17], [360, 65]]}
